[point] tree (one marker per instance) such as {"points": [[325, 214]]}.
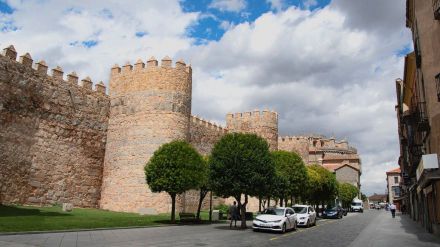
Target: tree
{"points": [[204, 185], [347, 192], [293, 173], [240, 166], [322, 185], [174, 168]]}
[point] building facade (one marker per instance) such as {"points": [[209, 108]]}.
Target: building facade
{"points": [[393, 184], [337, 156], [418, 114]]}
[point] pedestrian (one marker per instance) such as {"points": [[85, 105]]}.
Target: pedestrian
{"points": [[393, 209], [233, 212]]}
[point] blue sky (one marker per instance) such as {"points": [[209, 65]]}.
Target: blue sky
{"points": [[209, 26]]}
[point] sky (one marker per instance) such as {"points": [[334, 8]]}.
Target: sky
{"points": [[326, 66]]}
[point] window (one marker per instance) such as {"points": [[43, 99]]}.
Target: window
{"points": [[396, 180]]}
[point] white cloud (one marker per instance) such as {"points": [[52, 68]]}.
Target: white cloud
{"points": [[228, 5], [319, 72], [54, 31], [327, 71]]}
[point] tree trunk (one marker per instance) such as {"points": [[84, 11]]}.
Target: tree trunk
{"points": [[173, 207], [199, 207], [268, 202], [287, 200], [259, 204], [243, 212], [281, 201]]}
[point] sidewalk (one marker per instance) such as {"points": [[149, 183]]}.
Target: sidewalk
{"points": [[398, 232]]}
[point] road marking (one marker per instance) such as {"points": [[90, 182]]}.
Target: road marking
{"points": [[324, 222]]}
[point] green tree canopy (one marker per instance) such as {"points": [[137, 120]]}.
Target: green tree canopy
{"points": [[175, 168], [347, 192], [240, 165], [290, 167], [322, 185]]}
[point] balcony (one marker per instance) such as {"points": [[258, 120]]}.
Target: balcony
{"points": [[436, 8], [422, 117]]}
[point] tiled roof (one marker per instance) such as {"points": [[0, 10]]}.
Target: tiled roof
{"points": [[395, 170]]}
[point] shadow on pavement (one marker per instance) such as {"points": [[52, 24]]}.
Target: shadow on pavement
{"points": [[415, 228]]}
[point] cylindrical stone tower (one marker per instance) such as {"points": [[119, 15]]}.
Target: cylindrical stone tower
{"points": [[263, 124], [150, 106]]}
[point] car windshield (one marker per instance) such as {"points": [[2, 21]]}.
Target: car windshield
{"points": [[332, 208], [300, 210], [356, 204], [274, 211]]}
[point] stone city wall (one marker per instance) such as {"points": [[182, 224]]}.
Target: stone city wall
{"points": [[204, 134], [150, 106], [52, 134], [264, 124], [297, 144]]}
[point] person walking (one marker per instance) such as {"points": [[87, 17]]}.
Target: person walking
{"points": [[393, 210], [233, 213]]}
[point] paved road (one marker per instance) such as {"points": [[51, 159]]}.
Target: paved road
{"points": [[372, 228]]}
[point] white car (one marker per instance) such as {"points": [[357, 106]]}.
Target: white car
{"points": [[306, 215], [276, 219]]}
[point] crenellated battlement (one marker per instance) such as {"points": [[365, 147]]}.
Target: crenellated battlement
{"points": [[151, 76], [151, 64], [263, 123], [255, 114], [57, 73], [208, 124], [292, 138]]}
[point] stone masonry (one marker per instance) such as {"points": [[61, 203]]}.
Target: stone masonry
{"points": [[62, 142], [52, 134]]}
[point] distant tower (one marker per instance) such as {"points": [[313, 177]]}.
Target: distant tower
{"points": [[150, 106], [264, 124]]}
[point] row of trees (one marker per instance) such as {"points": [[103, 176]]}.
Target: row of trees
{"points": [[240, 166]]}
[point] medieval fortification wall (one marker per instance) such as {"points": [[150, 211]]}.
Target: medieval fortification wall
{"points": [[150, 106], [264, 124], [52, 134], [204, 134], [61, 141]]}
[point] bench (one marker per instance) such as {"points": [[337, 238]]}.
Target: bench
{"points": [[188, 217]]}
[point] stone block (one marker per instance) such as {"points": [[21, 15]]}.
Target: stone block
{"points": [[147, 211], [67, 207]]}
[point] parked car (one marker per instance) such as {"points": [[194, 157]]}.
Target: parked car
{"points": [[306, 215], [357, 206], [335, 212], [278, 219]]}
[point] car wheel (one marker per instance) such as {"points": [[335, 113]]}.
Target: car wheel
{"points": [[308, 224], [295, 226], [284, 228]]}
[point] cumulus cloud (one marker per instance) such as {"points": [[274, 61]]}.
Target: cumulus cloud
{"points": [[329, 71], [321, 72], [228, 5], [91, 36]]}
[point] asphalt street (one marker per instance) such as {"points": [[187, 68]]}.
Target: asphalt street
{"points": [[372, 228]]}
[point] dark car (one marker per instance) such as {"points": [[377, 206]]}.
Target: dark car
{"points": [[333, 212]]}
